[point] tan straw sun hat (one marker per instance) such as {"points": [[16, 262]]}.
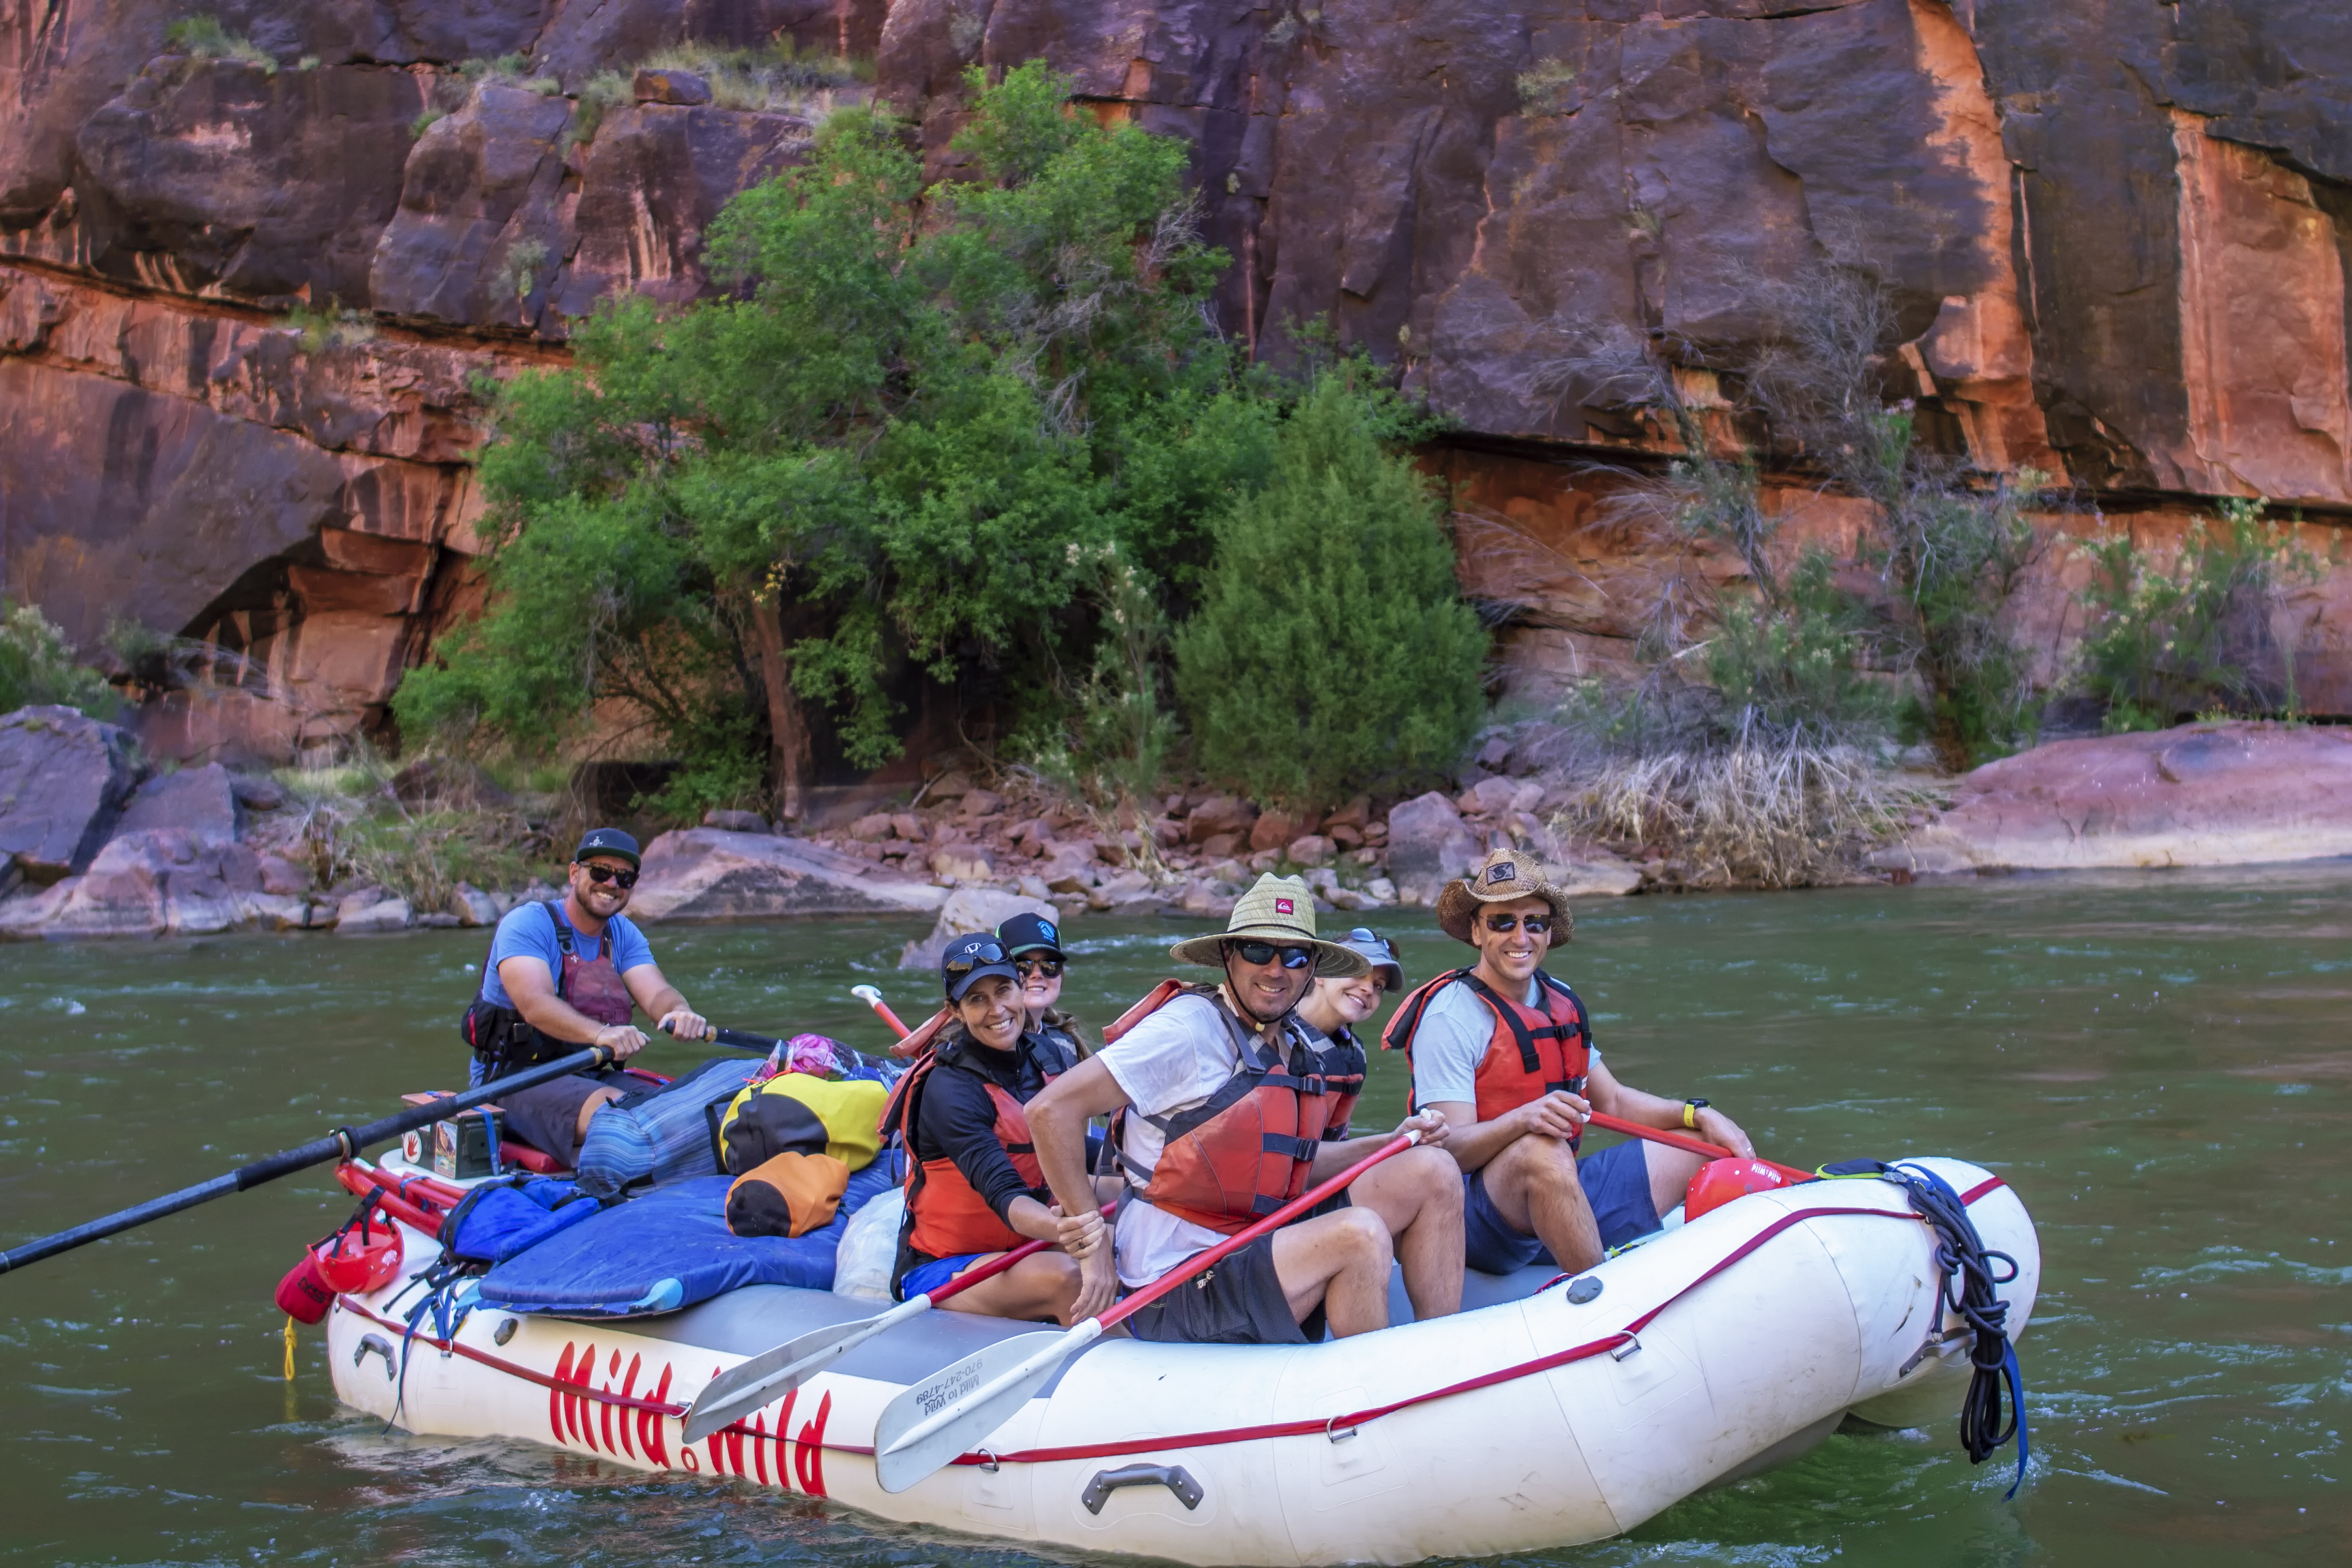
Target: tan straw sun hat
{"points": [[1279, 909], [1506, 874]]}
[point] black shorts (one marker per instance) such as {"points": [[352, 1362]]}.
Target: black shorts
{"points": [[547, 1115], [1236, 1302]]}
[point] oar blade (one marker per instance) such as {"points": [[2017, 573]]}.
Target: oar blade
{"points": [[769, 1375], [898, 1469]]}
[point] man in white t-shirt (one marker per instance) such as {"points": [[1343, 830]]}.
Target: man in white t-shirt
{"points": [[1228, 1108], [1505, 1052]]}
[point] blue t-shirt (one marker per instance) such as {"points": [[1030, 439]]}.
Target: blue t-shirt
{"points": [[527, 933]]}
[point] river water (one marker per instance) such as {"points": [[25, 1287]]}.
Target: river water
{"points": [[2158, 1063]]}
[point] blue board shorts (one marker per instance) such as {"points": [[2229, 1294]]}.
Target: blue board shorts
{"points": [[1616, 1183], [924, 1277]]}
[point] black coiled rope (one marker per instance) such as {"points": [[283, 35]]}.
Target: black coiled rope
{"points": [[1967, 1289]]}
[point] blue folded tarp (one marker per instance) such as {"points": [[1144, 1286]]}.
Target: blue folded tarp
{"points": [[668, 1250]]}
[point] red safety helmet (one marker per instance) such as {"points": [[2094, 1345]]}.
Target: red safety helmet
{"points": [[360, 1259], [1720, 1181]]}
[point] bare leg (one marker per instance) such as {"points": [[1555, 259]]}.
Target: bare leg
{"points": [[1340, 1260], [595, 1101], [1041, 1285], [1534, 1187], [1418, 1196], [1670, 1175]]}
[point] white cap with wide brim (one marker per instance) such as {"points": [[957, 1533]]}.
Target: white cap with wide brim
{"points": [[1279, 909]]}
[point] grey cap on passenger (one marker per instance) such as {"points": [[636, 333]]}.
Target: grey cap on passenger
{"points": [[1380, 953]]}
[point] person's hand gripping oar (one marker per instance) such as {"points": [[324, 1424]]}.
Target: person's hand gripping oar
{"points": [[934, 1420], [1687, 1144], [342, 1143], [745, 1388]]}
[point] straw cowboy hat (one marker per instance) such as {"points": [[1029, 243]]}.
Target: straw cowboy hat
{"points": [[1279, 909], [1506, 874]]}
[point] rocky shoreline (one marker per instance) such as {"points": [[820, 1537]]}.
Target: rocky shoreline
{"points": [[96, 845]]}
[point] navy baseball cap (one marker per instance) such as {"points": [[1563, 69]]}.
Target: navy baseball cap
{"points": [[1027, 934], [969, 957], [607, 841]]}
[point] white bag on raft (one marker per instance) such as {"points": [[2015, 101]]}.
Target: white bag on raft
{"points": [[869, 1249]]}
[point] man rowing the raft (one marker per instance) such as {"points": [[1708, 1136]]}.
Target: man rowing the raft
{"points": [[563, 975], [1227, 1108], [1505, 1052], [974, 1190]]}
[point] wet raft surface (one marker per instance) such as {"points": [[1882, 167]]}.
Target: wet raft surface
{"points": [[2155, 1062]]}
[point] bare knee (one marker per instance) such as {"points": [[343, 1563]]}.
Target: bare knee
{"points": [[1535, 1164], [1363, 1237]]}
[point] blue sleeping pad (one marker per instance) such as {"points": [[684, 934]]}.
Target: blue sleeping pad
{"points": [[668, 1250]]}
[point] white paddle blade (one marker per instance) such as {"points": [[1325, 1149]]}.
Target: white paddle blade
{"points": [[956, 1410], [769, 1375]]}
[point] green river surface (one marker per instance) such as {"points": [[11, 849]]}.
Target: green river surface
{"points": [[2158, 1062]]}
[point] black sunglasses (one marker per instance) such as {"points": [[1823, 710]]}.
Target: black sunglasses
{"points": [[1030, 964], [1537, 924], [1266, 952], [601, 874], [971, 958]]}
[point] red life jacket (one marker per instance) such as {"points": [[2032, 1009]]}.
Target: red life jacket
{"points": [[1247, 1149], [1532, 1051], [946, 1215]]}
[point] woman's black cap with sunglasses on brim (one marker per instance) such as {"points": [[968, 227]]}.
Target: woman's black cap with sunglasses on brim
{"points": [[607, 841], [1029, 934], [969, 957]]}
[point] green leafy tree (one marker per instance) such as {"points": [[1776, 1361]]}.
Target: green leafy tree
{"points": [[38, 666], [2196, 638], [909, 436], [1332, 650]]}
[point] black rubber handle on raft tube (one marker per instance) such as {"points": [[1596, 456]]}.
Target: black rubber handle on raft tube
{"points": [[1175, 1477]]}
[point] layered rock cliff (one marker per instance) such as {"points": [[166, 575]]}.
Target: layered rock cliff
{"points": [[2116, 234]]}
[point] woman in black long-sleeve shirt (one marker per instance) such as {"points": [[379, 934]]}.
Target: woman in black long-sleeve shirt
{"points": [[976, 1190]]}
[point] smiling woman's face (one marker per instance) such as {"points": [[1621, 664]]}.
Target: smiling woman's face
{"points": [[1039, 990], [991, 1010]]}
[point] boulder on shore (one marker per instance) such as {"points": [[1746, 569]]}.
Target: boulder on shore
{"points": [[967, 910], [199, 800], [2206, 794], [709, 874], [1428, 843], [63, 778]]}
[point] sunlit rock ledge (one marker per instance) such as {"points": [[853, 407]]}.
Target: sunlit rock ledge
{"points": [[2204, 795]]}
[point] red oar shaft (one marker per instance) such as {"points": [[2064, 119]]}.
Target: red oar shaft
{"points": [[994, 1266], [873, 998], [1686, 1143], [1231, 1244]]}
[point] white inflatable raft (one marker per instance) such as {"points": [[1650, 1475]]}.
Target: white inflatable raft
{"points": [[1533, 1419]]}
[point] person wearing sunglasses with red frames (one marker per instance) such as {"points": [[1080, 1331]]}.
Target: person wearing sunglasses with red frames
{"points": [[1505, 1051], [563, 973], [1225, 1106]]}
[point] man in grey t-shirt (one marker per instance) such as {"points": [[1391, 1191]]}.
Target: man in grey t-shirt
{"points": [[1505, 1051]]}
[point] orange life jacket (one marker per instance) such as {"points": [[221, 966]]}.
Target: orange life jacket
{"points": [[946, 1216], [1247, 1149], [1532, 1051]]}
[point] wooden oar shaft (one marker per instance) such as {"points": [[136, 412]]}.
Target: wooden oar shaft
{"points": [[1685, 1141]]}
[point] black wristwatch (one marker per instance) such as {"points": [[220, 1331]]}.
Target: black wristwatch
{"points": [[1691, 1108]]}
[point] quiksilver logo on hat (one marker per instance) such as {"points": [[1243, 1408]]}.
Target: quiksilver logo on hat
{"points": [[1282, 906], [1506, 871], [1047, 927]]}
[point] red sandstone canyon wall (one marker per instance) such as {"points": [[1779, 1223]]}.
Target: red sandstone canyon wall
{"points": [[2117, 232]]}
